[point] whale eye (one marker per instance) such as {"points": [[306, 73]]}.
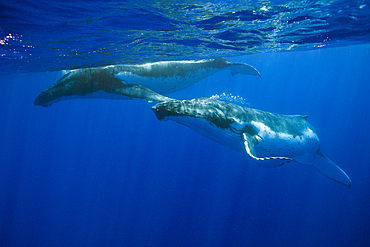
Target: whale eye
{"points": [[95, 83]]}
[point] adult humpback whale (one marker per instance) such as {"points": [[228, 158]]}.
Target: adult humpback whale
{"points": [[267, 138], [161, 77]]}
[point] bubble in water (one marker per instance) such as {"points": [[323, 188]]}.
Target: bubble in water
{"points": [[230, 98]]}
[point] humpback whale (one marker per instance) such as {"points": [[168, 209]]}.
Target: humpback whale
{"points": [[269, 139], [112, 89], [162, 77]]}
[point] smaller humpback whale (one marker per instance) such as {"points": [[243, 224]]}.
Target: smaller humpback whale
{"points": [[95, 87], [162, 77], [267, 138]]}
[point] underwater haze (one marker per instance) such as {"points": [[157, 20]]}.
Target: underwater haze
{"points": [[104, 172]]}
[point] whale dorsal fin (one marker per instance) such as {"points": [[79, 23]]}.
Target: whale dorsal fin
{"points": [[264, 161]]}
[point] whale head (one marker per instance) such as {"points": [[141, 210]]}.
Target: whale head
{"points": [[203, 108], [76, 84]]}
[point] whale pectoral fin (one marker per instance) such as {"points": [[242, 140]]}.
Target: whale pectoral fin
{"points": [[326, 167], [265, 161], [245, 69], [134, 91]]}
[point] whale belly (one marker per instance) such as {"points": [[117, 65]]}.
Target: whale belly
{"points": [[205, 128]]}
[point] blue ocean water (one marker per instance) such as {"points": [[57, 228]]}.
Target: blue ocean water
{"points": [[108, 173]]}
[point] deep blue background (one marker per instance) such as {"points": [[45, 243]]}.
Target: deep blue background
{"points": [[108, 173]]}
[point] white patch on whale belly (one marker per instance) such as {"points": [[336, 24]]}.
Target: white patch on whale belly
{"points": [[284, 144]]}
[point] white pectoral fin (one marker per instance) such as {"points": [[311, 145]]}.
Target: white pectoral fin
{"points": [[325, 167], [245, 69], [264, 161], [134, 91]]}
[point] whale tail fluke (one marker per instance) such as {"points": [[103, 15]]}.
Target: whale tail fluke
{"points": [[326, 167], [245, 69]]}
